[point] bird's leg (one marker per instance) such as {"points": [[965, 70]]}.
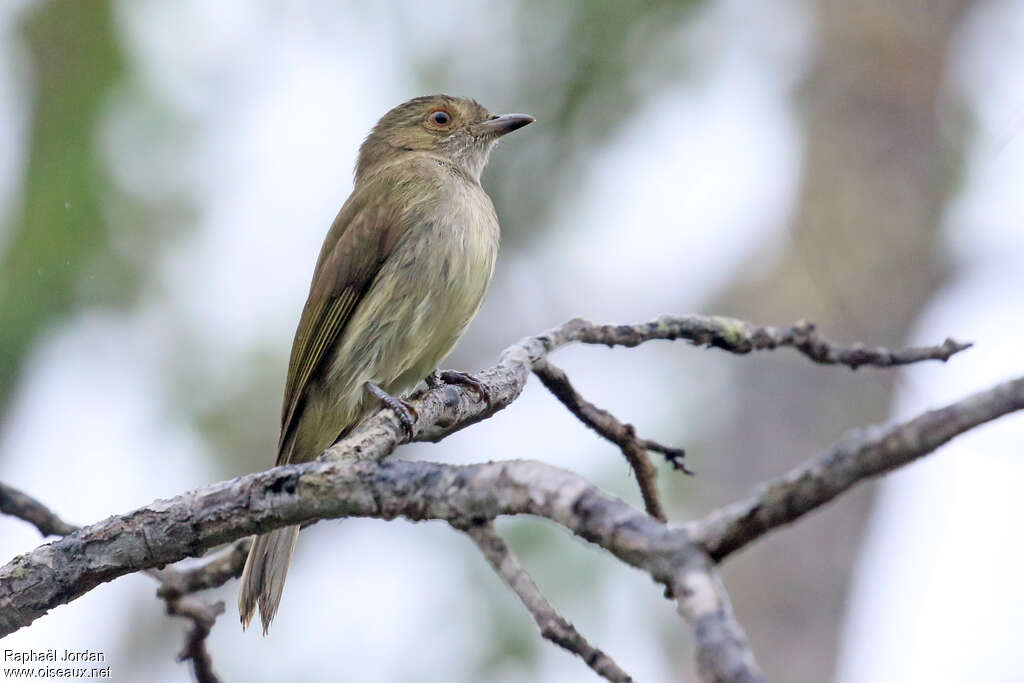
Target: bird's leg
{"points": [[435, 379], [407, 415]]}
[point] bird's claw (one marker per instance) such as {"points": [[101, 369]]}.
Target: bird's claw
{"points": [[404, 410]]}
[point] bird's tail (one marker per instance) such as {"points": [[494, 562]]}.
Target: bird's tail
{"points": [[264, 574]]}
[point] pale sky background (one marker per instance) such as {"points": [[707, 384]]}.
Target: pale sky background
{"points": [[268, 168]]}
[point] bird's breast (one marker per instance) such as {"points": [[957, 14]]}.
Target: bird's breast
{"points": [[459, 247], [424, 296]]}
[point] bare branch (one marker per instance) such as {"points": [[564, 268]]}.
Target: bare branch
{"points": [[449, 408], [23, 506], [175, 583], [170, 530], [167, 531], [343, 483], [723, 653], [621, 434], [860, 454], [202, 615], [211, 571], [737, 336], [552, 625]]}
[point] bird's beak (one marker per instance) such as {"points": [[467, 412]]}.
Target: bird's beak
{"points": [[500, 125]]}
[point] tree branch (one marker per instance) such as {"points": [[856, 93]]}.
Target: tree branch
{"points": [[723, 653], [621, 434], [211, 571], [552, 625], [178, 583], [170, 530], [449, 408], [23, 506], [175, 583], [350, 480], [859, 455], [202, 615], [737, 336]]}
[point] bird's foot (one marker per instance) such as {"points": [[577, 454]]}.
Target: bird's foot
{"points": [[436, 379], [407, 415]]}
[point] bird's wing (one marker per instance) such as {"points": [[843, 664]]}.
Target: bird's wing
{"points": [[360, 240]]}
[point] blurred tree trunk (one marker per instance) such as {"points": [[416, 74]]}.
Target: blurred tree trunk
{"points": [[862, 260], [60, 233]]}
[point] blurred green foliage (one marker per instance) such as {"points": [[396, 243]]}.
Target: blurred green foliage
{"points": [[60, 236]]}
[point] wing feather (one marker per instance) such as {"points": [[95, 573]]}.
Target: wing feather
{"points": [[360, 240]]}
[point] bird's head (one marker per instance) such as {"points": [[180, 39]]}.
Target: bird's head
{"points": [[456, 128]]}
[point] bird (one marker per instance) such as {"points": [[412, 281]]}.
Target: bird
{"points": [[402, 271]]}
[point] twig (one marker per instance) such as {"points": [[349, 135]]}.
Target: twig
{"points": [[23, 506], [552, 625], [737, 336], [449, 408], [859, 455], [622, 435], [202, 615], [211, 571]]}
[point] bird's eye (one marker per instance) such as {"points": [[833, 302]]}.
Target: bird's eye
{"points": [[440, 118]]}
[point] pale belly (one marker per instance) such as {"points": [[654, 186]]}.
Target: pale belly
{"points": [[413, 314]]}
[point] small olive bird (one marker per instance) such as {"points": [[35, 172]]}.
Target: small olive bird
{"points": [[401, 273]]}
